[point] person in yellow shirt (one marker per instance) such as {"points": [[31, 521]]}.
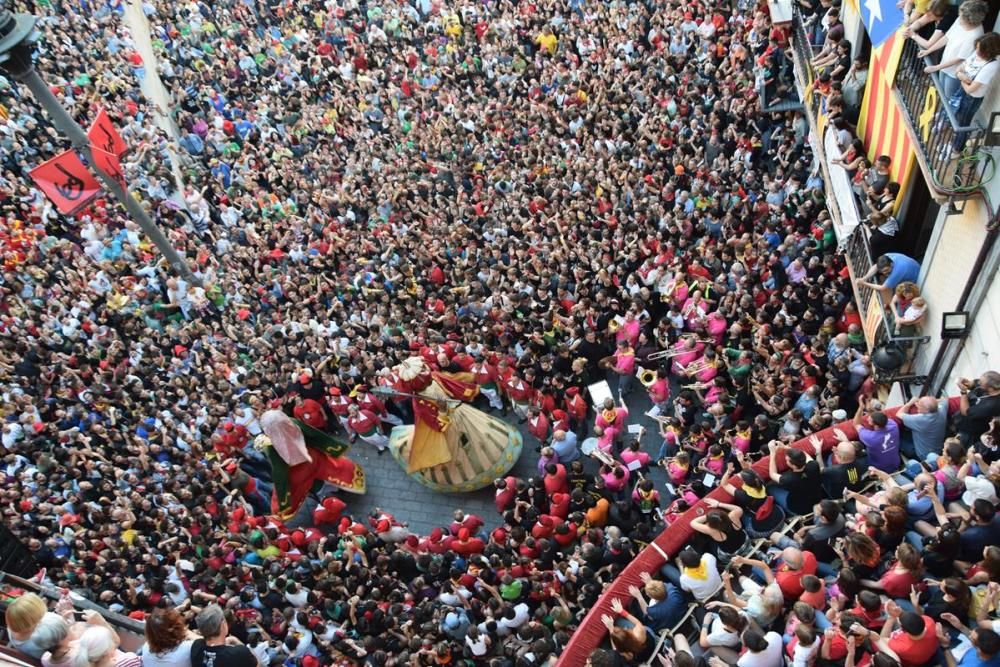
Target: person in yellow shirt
{"points": [[547, 41]]}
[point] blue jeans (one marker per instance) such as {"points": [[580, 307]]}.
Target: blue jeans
{"points": [[952, 88], [916, 539], [966, 111], [780, 496], [824, 570]]}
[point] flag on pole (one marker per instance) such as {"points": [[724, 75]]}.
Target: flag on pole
{"points": [[66, 181], [881, 18], [109, 164], [103, 135]]}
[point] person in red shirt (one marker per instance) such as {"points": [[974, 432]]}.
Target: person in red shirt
{"points": [[367, 426], [794, 565], [506, 490], [555, 479], [310, 412], [914, 642], [576, 408], [538, 425]]}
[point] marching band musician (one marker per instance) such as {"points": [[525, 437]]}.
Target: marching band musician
{"points": [[659, 391], [702, 370], [611, 419], [691, 349], [625, 365], [694, 311]]}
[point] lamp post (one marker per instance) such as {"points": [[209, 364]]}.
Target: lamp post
{"points": [[17, 36]]}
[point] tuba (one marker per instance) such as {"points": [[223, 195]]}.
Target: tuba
{"points": [[646, 376]]}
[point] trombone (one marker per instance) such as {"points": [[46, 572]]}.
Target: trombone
{"points": [[673, 352]]}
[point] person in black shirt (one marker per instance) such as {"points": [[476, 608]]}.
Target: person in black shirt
{"points": [[980, 404], [798, 489], [217, 648], [848, 473]]}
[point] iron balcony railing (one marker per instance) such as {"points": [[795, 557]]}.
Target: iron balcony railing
{"points": [[954, 155], [804, 52], [878, 319]]}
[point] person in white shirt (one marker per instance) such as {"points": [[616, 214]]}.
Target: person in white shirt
{"points": [[699, 574], [761, 650], [958, 43]]}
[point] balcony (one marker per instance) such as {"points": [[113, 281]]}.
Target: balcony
{"points": [[935, 128]]}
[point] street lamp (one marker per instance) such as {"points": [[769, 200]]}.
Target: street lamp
{"points": [[17, 37]]}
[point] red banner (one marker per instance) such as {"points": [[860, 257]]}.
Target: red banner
{"points": [[456, 388], [66, 181], [109, 164], [103, 135]]}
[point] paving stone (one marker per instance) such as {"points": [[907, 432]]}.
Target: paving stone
{"points": [[392, 490]]}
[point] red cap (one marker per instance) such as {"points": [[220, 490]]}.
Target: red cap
{"points": [[572, 391], [436, 535], [334, 391], [305, 378], [559, 415], [228, 426], [383, 526], [25, 505], [38, 427], [310, 661], [499, 535]]}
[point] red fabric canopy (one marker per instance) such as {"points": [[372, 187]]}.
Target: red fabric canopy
{"points": [[667, 544]]}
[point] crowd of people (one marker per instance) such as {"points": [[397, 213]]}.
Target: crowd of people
{"points": [[540, 195]]}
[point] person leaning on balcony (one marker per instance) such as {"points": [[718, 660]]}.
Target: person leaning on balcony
{"points": [[975, 75], [958, 44], [892, 268], [927, 28], [883, 228]]}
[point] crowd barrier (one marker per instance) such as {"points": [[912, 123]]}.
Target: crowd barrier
{"points": [[669, 543]]}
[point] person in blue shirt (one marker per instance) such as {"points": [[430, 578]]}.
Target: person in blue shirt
{"points": [[666, 605], [984, 652], [892, 268]]}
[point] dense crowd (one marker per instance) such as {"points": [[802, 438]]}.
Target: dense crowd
{"points": [[538, 194]]}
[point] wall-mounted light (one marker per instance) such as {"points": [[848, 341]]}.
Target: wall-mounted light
{"points": [[955, 324]]}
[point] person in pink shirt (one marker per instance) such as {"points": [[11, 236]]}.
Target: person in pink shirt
{"points": [[634, 458], [615, 478]]}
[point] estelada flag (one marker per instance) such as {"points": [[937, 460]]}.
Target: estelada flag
{"points": [[103, 135], [66, 181]]}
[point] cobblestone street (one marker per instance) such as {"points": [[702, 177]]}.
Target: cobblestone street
{"points": [[392, 490]]}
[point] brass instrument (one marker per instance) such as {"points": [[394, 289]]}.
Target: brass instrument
{"points": [[699, 385], [673, 352], [646, 376], [614, 325], [698, 366]]}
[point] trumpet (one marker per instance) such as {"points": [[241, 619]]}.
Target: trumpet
{"points": [[698, 366], [646, 376]]}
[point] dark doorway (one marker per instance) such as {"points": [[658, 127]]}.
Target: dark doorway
{"points": [[920, 212]]}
